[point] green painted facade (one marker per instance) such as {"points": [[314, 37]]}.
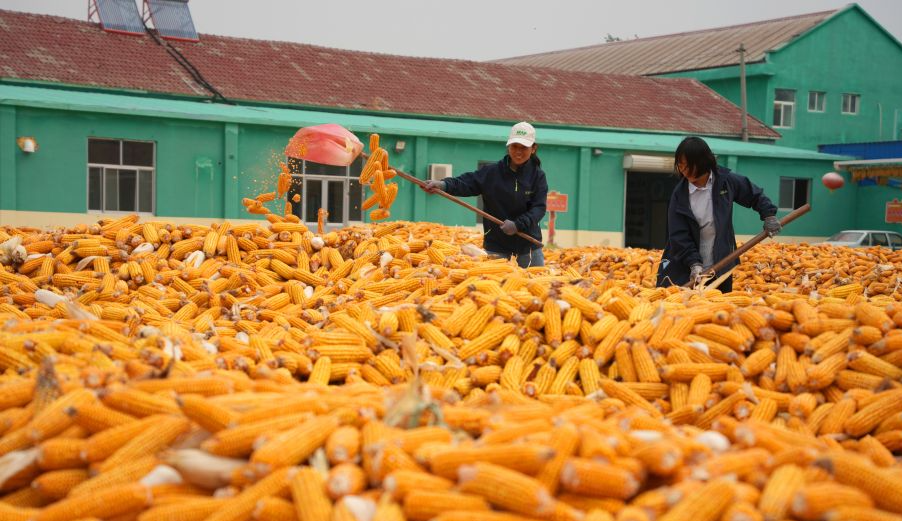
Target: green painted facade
{"points": [[208, 157], [847, 53]]}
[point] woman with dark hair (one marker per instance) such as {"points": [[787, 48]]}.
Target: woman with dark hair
{"points": [[700, 215]]}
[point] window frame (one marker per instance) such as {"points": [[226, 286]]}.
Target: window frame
{"points": [[850, 96], [300, 177], [819, 96], [782, 107], [795, 183], [138, 169], [886, 243], [893, 235]]}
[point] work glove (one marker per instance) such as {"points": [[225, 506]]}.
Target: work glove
{"points": [[772, 226], [434, 186], [509, 227], [695, 274]]}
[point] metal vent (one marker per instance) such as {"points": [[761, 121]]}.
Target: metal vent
{"points": [[439, 171]]}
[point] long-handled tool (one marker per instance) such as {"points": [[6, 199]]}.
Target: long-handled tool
{"points": [[748, 245], [499, 222], [338, 146]]}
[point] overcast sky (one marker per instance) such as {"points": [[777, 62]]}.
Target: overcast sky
{"points": [[475, 29]]}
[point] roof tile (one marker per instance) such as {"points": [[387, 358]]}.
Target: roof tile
{"points": [[61, 50]]}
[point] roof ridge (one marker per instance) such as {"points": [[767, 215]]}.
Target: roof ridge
{"points": [[823, 14]]}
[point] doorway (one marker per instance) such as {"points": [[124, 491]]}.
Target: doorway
{"points": [[336, 189], [647, 199]]}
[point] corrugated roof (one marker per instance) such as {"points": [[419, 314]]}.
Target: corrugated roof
{"points": [[61, 50], [688, 51]]}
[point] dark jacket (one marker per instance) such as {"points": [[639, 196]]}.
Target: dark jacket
{"points": [[681, 249], [508, 195]]}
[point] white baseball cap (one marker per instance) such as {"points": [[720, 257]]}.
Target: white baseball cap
{"points": [[522, 133]]}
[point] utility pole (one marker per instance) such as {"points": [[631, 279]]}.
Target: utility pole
{"points": [[742, 98]]}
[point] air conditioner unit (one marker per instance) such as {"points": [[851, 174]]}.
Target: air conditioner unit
{"points": [[439, 171]]}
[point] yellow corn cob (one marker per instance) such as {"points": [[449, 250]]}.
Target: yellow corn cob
{"points": [[109, 502], [55, 485], [241, 506], [507, 489], [582, 476], [777, 495], [157, 435], [707, 504], [489, 339], [477, 322], [294, 445], [140, 403], [309, 494], [855, 471], [322, 371], [54, 418], [564, 376], [522, 458], [207, 414], [273, 508], [401, 482], [61, 453], [867, 418], [422, 505]]}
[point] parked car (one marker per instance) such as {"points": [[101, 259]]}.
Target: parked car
{"points": [[866, 238]]}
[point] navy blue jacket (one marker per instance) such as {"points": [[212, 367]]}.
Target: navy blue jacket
{"points": [[517, 196], [681, 249]]}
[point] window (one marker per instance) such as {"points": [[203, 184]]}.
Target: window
{"points": [[850, 103], [879, 239], [816, 101], [334, 188], [895, 240], [120, 175], [784, 105], [794, 192]]}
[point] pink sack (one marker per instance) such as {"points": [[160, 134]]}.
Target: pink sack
{"points": [[329, 144]]}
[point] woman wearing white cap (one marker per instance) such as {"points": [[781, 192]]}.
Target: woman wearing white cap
{"points": [[514, 190]]}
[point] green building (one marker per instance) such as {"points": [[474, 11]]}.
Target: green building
{"points": [[820, 78], [94, 123]]}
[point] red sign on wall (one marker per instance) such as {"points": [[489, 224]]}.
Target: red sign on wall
{"points": [[894, 211], [556, 202]]}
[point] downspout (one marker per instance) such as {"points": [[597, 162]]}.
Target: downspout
{"points": [[895, 124], [742, 93], [880, 122]]}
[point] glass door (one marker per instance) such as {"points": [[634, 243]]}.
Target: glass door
{"points": [[330, 194], [335, 189]]}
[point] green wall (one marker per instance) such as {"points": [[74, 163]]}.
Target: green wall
{"points": [[872, 207], [55, 177], [830, 211], [205, 168], [848, 53]]}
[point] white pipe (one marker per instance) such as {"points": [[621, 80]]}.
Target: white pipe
{"points": [[895, 124], [880, 123]]}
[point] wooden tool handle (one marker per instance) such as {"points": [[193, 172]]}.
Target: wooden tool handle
{"points": [[791, 216], [468, 206]]}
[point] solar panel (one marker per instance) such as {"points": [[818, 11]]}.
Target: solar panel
{"points": [[172, 19], [119, 16]]}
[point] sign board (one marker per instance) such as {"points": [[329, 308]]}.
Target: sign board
{"points": [[893, 211], [557, 202]]}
